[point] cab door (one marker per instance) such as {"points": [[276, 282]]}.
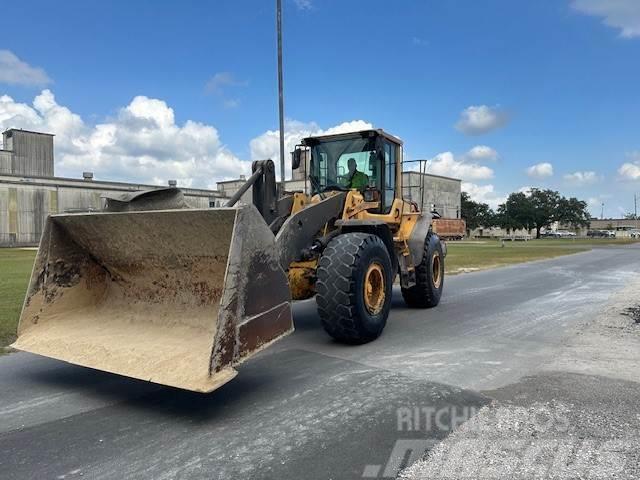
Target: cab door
{"points": [[389, 155]]}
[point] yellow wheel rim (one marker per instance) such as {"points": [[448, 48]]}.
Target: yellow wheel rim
{"points": [[436, 270], [374, 288]]}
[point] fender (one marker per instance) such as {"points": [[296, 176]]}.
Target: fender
{"points": [[300, 229], [375, 227]]}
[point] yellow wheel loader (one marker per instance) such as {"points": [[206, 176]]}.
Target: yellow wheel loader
{"points": [[154, 290]]}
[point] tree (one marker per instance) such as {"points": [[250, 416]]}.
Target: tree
{"points": [[573, 212], [516, 212], [475, 214], [545, 205], [539, 209]]}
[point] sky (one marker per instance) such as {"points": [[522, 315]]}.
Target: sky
{"points": [[504, 94]]}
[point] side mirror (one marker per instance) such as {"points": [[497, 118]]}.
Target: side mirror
{"points": [[296, 157]]}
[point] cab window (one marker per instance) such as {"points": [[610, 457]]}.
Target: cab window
{"points": [[389, 173]]}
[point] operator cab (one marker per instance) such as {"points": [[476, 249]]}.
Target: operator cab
{"points": [[367, 161]]}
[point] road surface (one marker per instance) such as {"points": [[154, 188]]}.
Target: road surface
{"points": [[308, 407]]}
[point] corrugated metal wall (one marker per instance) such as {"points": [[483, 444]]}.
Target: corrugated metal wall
{"points": [[24, 208], [31, 153], [5, 161]]}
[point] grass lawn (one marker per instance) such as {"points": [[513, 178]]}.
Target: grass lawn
{"points": [[482, 254], [15, 269]]}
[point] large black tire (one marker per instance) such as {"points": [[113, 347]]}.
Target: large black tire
{"points": [[427, 291], [345, 313]]}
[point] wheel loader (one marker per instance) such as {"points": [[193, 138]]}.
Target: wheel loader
{"points": [[152, 289]]}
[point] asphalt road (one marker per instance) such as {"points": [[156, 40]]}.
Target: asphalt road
{"points": [[308, 407]]}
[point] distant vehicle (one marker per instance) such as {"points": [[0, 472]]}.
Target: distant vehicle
{"points": [[601, 234], [635, 233], [450, 228], [558, 234]]}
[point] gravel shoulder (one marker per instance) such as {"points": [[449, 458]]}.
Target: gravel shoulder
{"points": [[576, 418]]}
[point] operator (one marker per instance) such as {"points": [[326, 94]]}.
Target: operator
{"points": [[356, 179]]}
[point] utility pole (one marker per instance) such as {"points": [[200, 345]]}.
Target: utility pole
{"points": [[602, 213], [280, 94]]}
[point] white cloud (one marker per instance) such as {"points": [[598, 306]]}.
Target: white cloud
{"points": [[482, 153], [630, 171], [231, 103], [595, 204], [222, 80], [483, 194], [14, 71], [267, 145], [220, 84], [303, 4], [419, 41], [479, 119], [448, 165], [623, 15], [142, 143], [582, 178], [540, 170]]}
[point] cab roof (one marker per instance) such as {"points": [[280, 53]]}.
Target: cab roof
{"points": [[362, 134]]}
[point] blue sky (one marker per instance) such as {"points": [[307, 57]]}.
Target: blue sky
{"points": [[506, 94]]}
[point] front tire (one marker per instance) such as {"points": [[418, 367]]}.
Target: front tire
{"points": [[354, 285], [427, 291]]}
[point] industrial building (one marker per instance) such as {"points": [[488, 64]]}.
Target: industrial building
{"points": [[29, 190]]}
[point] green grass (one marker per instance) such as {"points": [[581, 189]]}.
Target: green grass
{"points": [[480, 255], [15, 269]]}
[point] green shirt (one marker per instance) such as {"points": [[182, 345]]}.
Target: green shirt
{"points": [[358, 181]]}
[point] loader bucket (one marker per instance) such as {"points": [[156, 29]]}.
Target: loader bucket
{"points": [[175, 297]]}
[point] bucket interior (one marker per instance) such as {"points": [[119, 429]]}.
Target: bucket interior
{"points": [[134, 293]]}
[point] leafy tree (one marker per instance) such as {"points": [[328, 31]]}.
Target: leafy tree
{"points": [[546, 205], [573, 212], [475, 214], [539, 209], [516, 212]]}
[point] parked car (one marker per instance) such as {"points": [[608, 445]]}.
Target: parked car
{"points": [[558, 234], [601, 234]]}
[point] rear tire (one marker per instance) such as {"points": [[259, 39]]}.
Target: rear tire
{"points": [[354, 285], [427, 291]]}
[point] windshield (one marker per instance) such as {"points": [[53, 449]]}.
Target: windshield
{"points": [[343, 164]]}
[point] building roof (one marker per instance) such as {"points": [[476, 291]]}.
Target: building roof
{"points": [[432, 175], [233, 181], [95, 184], [26, 131], [360, 133]]}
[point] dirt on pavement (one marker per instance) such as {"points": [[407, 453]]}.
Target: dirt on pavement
{"points": [[575, 419]]}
